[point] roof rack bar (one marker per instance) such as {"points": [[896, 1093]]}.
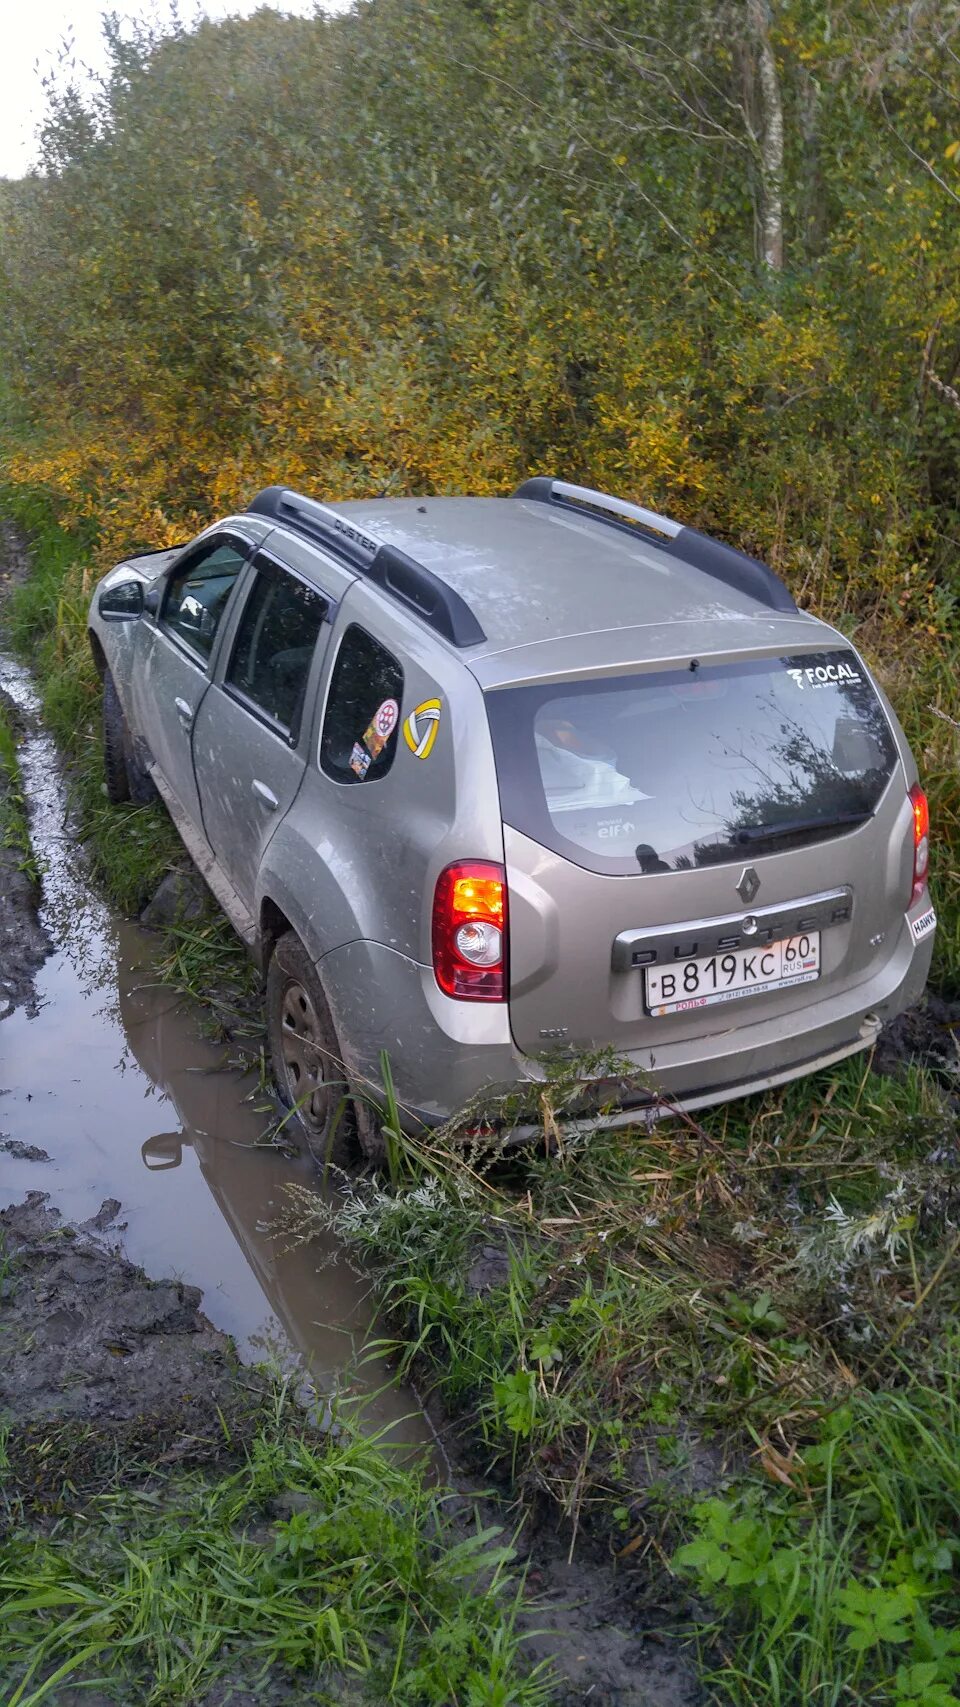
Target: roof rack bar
{"points": [[734, 568], [561, 490], [400, 576]]}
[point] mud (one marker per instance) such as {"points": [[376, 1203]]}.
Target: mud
{"points": [[610, 1648], [23, 945], [123, 1364], [22, 1152], [110, 1078], [928, 1034]]}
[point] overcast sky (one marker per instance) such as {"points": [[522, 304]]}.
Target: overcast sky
{"points": [[31, 36]]}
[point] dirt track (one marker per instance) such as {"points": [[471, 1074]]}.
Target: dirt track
{"points": [[125, 1366], [23, 944]]}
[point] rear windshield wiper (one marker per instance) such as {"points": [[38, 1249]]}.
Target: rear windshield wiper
{"points": [[772, 832]]}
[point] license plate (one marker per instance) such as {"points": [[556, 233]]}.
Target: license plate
{"points": [[727, 977]]}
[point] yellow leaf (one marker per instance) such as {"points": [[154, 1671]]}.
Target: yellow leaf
{"points": [[952, 150]]}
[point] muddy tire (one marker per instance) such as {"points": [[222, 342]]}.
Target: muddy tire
{"points": [[305, 1053], [368, 1126], [127, 778], [143, 789], [114, 744]]}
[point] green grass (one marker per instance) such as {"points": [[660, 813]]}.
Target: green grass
{"points": [[841, 1586], [207, 962], [729, 1300], [14, 826], [327, 1565], [130, 848]]}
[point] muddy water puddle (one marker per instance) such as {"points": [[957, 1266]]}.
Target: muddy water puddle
{"points": [[110, 1075]]}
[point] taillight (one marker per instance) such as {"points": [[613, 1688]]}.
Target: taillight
{"points": [[469, 931], [921, 841]]}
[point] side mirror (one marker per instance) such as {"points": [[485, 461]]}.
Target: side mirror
{"points": [[163, 1151], [151, 600], [123, 602]]}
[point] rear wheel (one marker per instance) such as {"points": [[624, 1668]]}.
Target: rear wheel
{"points": [[114, 740], [368, 1120], [305, 1052]]}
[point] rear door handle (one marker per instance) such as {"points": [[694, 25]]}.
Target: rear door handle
{"points": [[265, 795], [184, 712]]}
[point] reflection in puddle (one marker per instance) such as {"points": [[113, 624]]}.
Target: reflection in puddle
{"points": [[112, 1078]]}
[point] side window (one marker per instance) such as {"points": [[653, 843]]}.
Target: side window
{"points": [[275, 644], [198, 592], [362, 718]]}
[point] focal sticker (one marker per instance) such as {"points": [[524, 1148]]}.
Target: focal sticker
{"points": [[818, 675]]}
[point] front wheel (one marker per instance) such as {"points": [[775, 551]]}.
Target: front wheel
{"points": [[143, 789], [126, 777], [114, 744]]}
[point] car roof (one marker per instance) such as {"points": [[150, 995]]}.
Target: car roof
{"points": [[534, 575], [555, 576]]}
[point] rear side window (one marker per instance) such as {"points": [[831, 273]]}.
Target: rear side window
{"points": [[359, 736], [676, 769], [275, 643], [198, 591]]}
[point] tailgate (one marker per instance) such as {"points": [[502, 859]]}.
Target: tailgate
{"points": [[666, 817]]}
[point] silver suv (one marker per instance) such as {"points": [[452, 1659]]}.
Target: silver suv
{"points": [[477, 779]]}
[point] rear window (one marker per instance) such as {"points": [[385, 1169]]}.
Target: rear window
{"points": [[359, 735], [670, 770]]}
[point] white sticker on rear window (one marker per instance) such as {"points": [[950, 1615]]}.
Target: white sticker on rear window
{"points": [[818, 675], [923, 924]]}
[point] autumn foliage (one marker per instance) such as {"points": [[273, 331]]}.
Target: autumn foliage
{"points": [[436, 245]]}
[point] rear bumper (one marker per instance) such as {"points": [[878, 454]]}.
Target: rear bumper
{"points": [[443, 1054], [770, 1052]]}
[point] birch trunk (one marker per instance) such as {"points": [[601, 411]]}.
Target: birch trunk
{"points": [[770, 139]]}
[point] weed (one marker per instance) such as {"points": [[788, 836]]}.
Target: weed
{"points": [[208, 963], [638, 1310], [841, 1585], [321, 1561]]}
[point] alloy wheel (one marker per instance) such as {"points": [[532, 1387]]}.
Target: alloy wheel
{"points": [[304, 1059]]}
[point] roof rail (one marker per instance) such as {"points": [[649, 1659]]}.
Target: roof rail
{"points": [[734, 568], [405, 580]]}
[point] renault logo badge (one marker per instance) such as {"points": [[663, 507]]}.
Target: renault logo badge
{"points": [[749, 886]]}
